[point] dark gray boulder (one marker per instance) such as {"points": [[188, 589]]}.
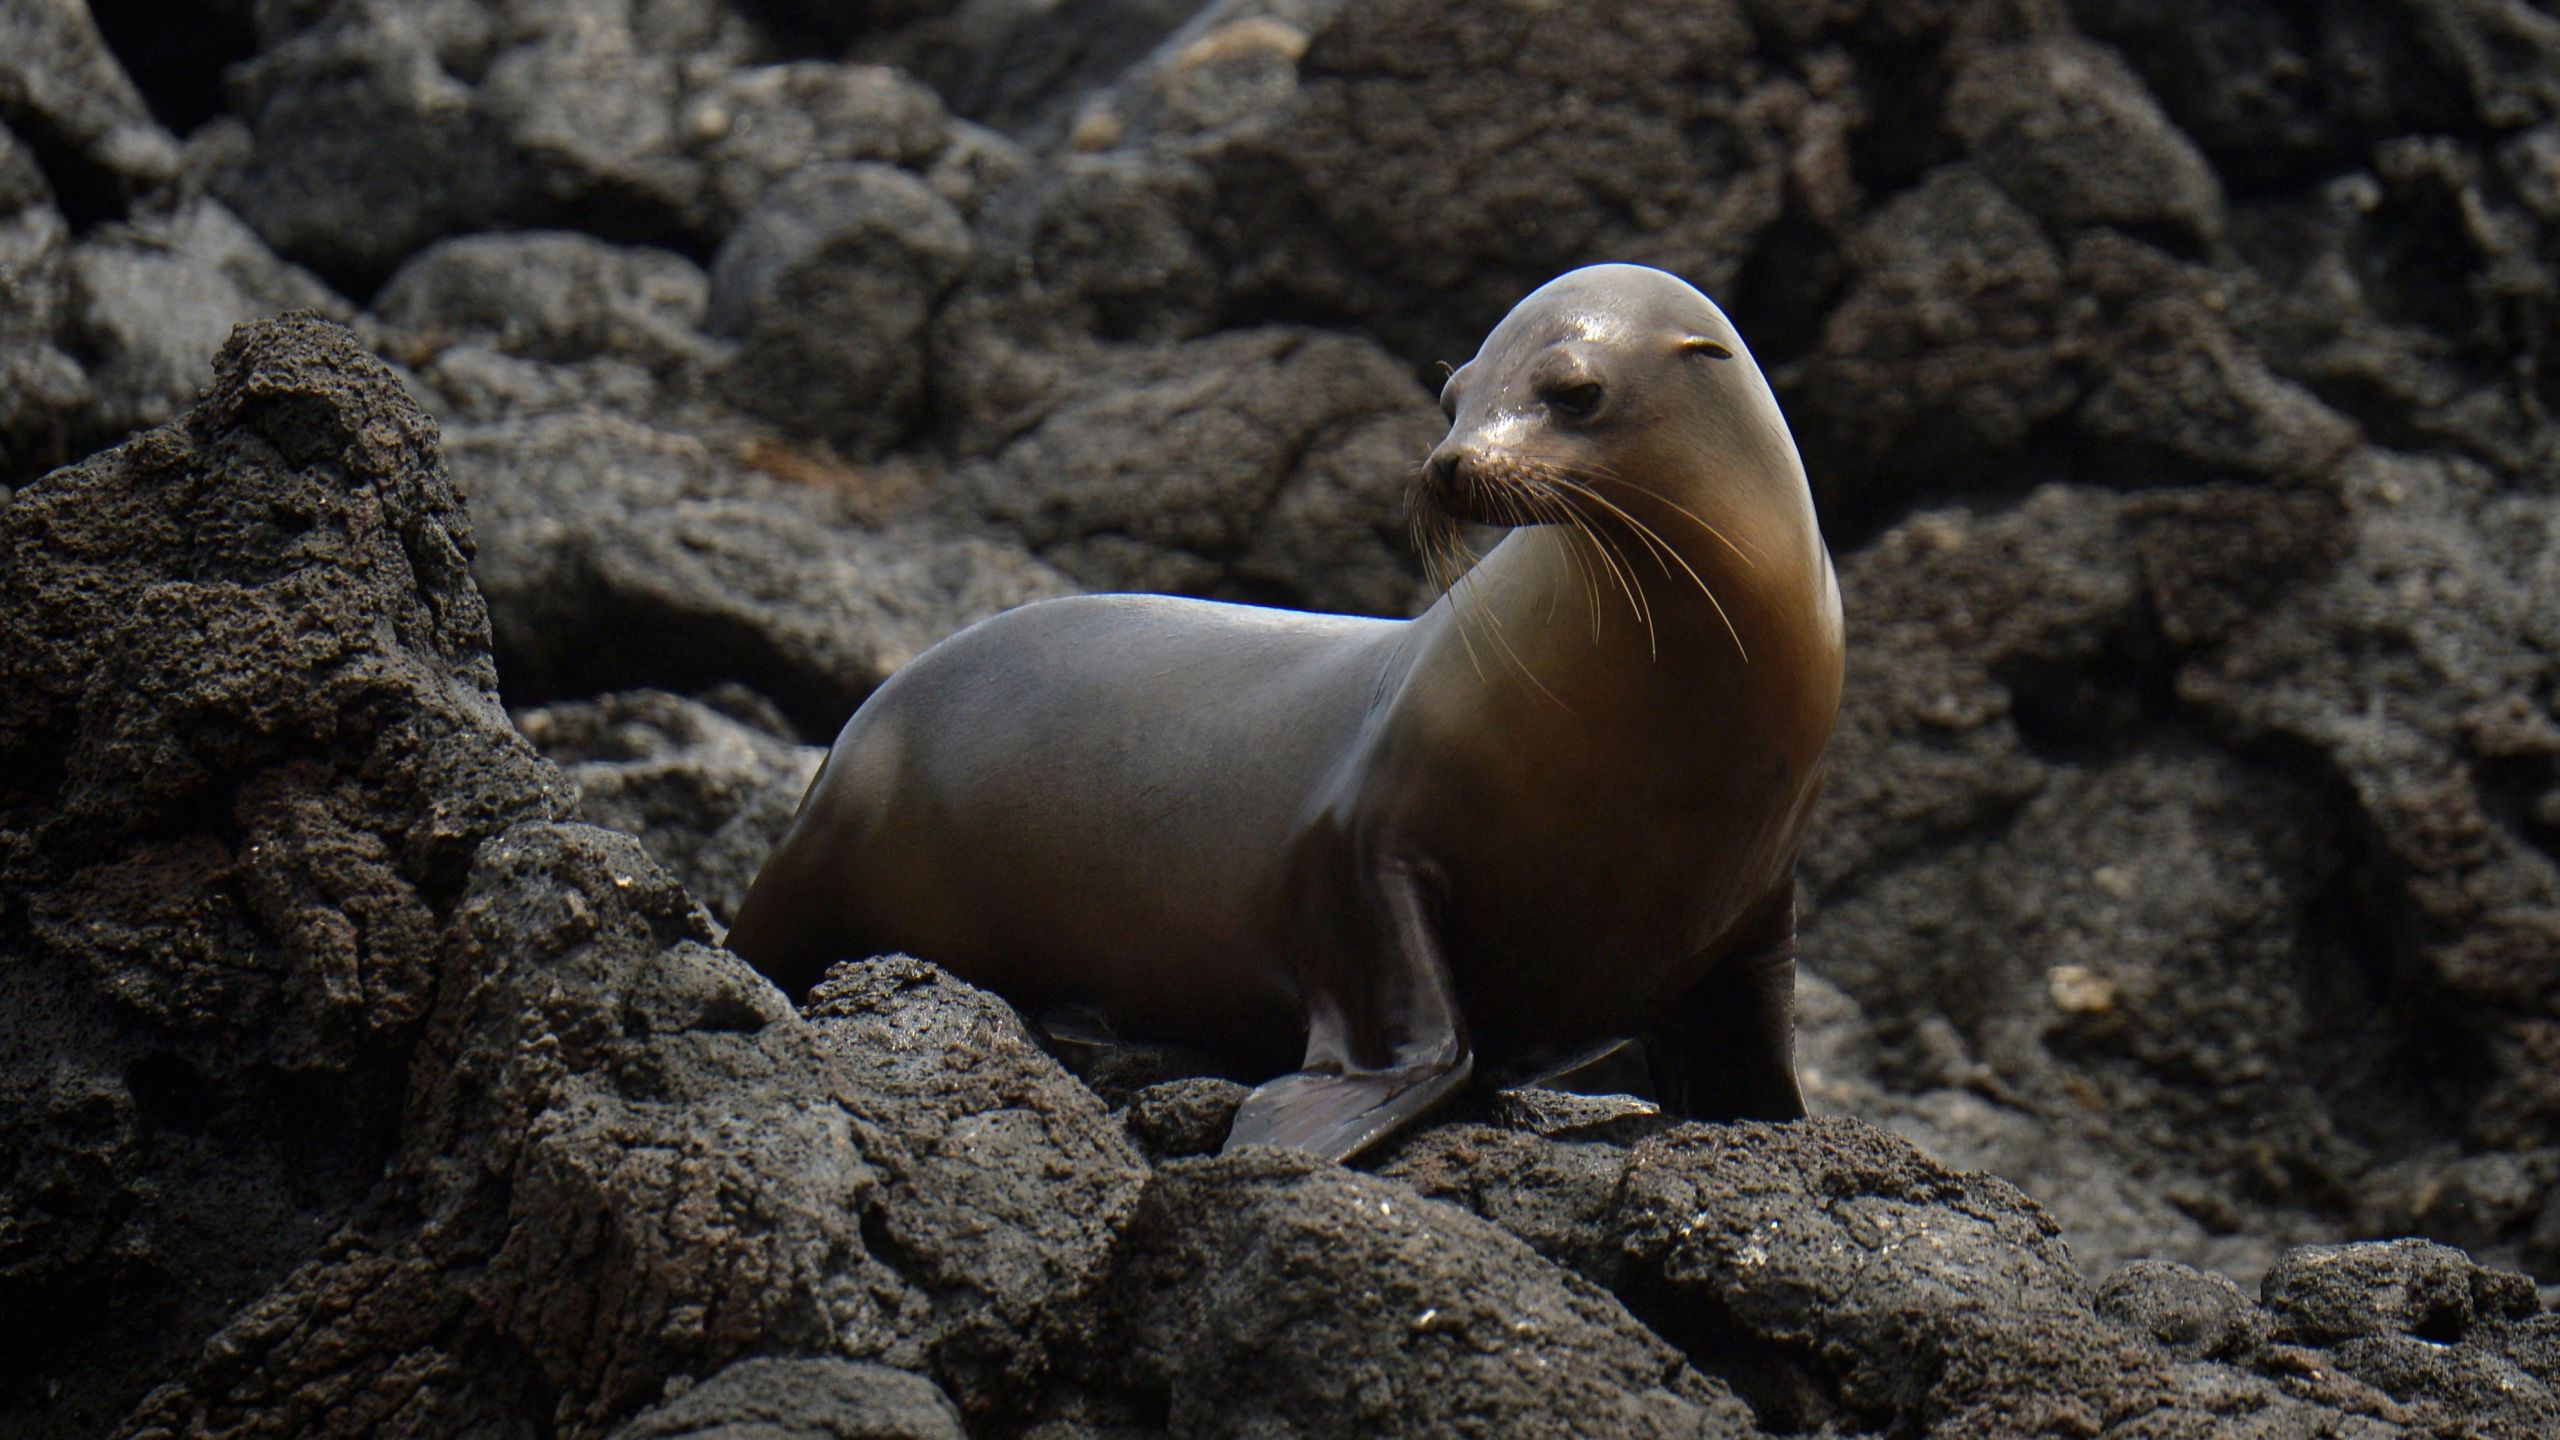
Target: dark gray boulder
{"points": [[1013, 1182], [708, 793], [1834, 1276], [44, 394], [355, 144], [1020, 66], [601, 1094], [1558, 1196], [114, 327], [622, 556], [1519, 147], [1266, 1293], [2071, 134], [2193, 1314], [60, 84], [2267, 89], [1266, 465], [1947, 338], [541, 322], [2325, 1294], [802, 1400], [2392, 1316], [254, 740], [548, 295], [2432, 729], [606, 1095], [763, 123], [329, 1027], [1120, 244], [829, 285], [366, 132], [147, 302], [1185, 1116]]}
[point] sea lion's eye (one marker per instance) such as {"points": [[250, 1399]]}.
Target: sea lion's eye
{"points": [[1449, 398], [1701, 345], [1575, 402]]}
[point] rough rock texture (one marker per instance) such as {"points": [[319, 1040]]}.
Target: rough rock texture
{"points": [[828, 285], [1301, 446], [148, 301], [2176, 381], [62, 86], [710, 793], [366, 131], [624, 555], [548, 295], [315, 997], [44, 394], [1837, 1279], [1269, 1293], [803, 1400], [1015, 1182], [252, 740]]}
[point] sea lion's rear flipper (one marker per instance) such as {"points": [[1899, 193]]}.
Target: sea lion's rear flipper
{"points": [[1727, 1051], [1397, 998], [1616, 1066]]}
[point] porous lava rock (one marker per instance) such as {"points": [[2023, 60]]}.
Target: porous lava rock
{"points": [[799, 1399], [708, 790], [252, 741], [625, 555]]}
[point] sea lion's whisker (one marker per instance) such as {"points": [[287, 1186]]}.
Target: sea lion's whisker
{"points": [[1661, 547], [1458, 587], [1695, 519], [1494, 617], [1623, 565], [1555, 508], [1610, 477], [1559, 508], [1474, 612], [1629, 575], [1506, 479], [1551, 507], [1568, 560], [1538, 510], [1630, 581], [1436, 537], [1578, 541]]}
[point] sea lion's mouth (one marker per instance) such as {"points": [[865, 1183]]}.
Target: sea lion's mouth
{"points": [[1486, 489], [1458, 489]]}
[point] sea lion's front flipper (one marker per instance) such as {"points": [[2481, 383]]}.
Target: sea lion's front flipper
{"points": [[1727, 1051], [1398, 999], [1339, 1115]]}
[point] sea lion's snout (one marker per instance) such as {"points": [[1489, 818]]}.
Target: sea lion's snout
{"points": [[1444, 471], [1461, 479]]}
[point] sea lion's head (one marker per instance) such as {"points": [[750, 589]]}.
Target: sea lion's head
{"points": [[1605, 380]]}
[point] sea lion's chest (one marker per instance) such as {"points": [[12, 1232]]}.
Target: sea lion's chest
{"points": [[1572, 889]]}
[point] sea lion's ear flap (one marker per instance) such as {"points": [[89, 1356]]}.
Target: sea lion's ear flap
{"points": [[1449, 388], [1701, 345]]}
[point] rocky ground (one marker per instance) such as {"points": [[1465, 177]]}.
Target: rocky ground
{"points": [[395, 697]]}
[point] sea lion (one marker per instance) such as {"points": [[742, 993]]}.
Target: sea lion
{"points": [[1561, 805]]}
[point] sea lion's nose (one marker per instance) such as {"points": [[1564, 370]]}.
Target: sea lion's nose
{"points": [[1447, 465]]}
